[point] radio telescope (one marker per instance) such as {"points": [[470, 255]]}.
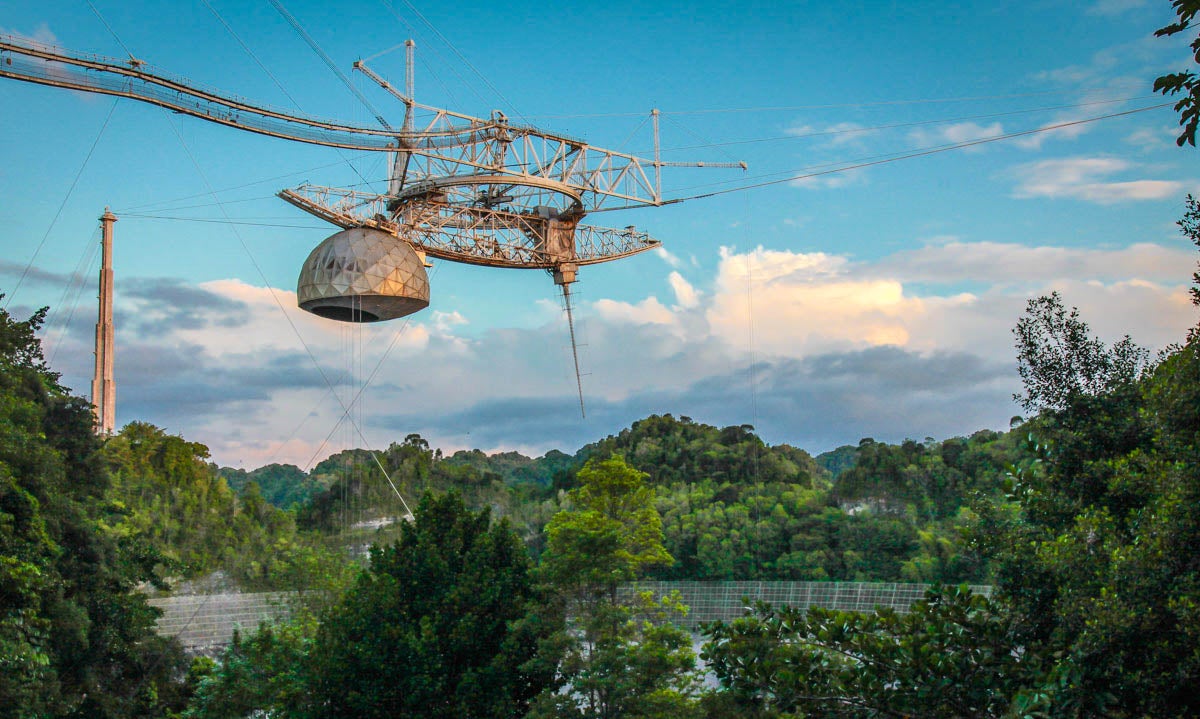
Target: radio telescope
{"points": [[481, 191]]}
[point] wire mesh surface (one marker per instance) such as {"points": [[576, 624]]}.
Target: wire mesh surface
{"points": [[711, 601], [203, 621], [208, 620]]}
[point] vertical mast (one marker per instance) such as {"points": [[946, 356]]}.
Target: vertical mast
{"points": [[400, 159], [657, 158], [104, 393], [410, 81]]}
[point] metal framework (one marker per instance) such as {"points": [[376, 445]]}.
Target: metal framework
{"points": [[469, 234], [462, 188], [443, 143], [482, 191]]}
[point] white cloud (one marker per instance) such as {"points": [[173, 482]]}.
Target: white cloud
{"points": [[1152, 138], [446, 321], [648, 311], [686, 296], [1099, 66], [828, 181], [1063, 129], [840, 133], [803, 303], [1080, 178], [797, 303], [42, 33], [1010, 263], [954, 134], [861, 343], [666, 256]]}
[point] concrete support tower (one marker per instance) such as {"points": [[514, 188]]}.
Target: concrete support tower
{"points": [[104, 389]]}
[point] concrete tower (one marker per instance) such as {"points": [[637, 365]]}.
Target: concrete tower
{"points": [[104, 389]]}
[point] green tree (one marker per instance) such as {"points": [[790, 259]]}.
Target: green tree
{"points": [[174, 499], [950, 656], [621, 655], [1095, 553], [76, 640], [264, 673], [1189, 224], [1186, 81], [1059, 359], [610, 535], [445, 622]]}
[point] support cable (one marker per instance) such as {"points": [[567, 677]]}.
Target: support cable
{"points": [[70, 298], [62, 205], [708, 142], [271, 75], [566, 293], [412, 31], [329, 62], [220, 221], [827, 106], [370, 379], [295, 330], [507, 103], [933, 151], [870, 162], [264, 181], [893, 126], [132, 60]]}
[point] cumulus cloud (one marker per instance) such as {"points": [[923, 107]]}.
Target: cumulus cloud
{"points": [[815, 349], [835, 135], [648, 311], [668, 257], [1007, 263], [954, 134], [686, 296], [1081, 178], [445, 321], [828, 180], [806, 302]]}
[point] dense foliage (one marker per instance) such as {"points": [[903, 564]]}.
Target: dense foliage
{"points": [[1097, 606], [951, 656], [283, 485], [1185, 81], [732, 507], [1096, 553], [444, 622], [173, 499], [619, 656], [75, 640]]}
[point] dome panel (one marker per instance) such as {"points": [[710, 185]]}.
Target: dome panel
{"points": [[363, 275]]}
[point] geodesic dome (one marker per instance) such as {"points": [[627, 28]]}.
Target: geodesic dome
{"points": [[363, 275]]}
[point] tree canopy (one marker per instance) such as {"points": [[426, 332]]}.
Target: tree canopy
{"points": [[620, 656], [75, 640], [1184, 81], [445, 622]]}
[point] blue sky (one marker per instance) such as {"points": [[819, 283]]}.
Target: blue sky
{"points": [[870, 302]]}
